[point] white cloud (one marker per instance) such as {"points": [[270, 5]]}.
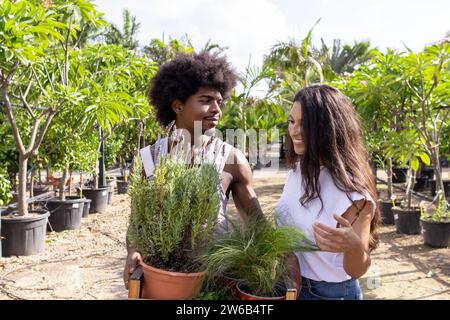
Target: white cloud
{"points": [[247, 27]]}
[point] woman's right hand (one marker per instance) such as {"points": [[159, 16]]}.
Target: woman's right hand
{"points": [[134, 259]]}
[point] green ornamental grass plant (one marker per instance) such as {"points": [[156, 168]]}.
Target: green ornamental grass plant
{"points": [[254, 252]]}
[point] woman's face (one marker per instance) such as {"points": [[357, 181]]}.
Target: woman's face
{"points": [[295, 128]]}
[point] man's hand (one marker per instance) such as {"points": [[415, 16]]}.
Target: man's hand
{"points": [[134, 258]]}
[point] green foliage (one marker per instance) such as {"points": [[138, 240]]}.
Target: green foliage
{"points": [[405, 147], [342, 58], [255, 252], [126, 37], [116, 85], [174, 213], [440, 214], [294, 65], [5, 188], [26, 29], [161, 52]]}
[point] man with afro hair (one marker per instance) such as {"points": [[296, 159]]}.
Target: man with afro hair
{"points": [[189, 90]]}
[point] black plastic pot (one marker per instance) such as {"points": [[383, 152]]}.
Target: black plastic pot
{"points": [[37, 190], [64, 214], [446, 187], [23, 236], [427, 172], [122, 186], [110, 186], [421, 184], [387, 217], [399, 175], [407, 221], [436, 234], [99, 198], [445, 162], [110, 194], [87, 206]]}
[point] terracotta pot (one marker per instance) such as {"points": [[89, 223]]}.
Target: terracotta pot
{"points": [[231, 283], [165, 285], [243, 290]]}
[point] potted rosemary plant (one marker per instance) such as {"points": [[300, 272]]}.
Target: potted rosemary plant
{"points": [[172, 221]]}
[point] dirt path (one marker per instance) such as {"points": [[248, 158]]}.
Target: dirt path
{"points": [[88, 263]]}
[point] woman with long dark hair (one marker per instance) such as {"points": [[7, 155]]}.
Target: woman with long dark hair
{"points": [[330, 193]]}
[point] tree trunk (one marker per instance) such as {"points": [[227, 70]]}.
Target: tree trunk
{"points": [[33, 172], [32, 183], [410, 185], [95, 175], [22, 189], [62, 195], [389, 179], [70, 183], [40, 178], [437, 171], [81, 184]]}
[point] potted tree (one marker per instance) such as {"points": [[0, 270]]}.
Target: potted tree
{"points": [[405, 147], [368, 91], [28, 84], [436, 223], [68, 149], [117, 93], [251, 258], [172, 221]]}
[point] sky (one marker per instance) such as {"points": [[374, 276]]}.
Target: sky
{"points": [[249, 28]]}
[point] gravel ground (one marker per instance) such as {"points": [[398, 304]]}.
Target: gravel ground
{"points": [[88, 263]]}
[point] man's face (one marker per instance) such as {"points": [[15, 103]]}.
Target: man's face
{"points": [[203, 106]]}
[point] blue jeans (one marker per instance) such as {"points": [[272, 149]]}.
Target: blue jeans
{"points": [[322, 290]]}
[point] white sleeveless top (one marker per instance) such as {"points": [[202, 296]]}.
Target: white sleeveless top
{"points": [[319, 266], [216, 153]]}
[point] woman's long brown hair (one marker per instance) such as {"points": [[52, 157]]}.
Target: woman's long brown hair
{"points": [[332, 136]]}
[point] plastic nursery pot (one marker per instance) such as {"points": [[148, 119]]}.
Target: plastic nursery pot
{"points": [[166, 285], [421, 184], [407, 221], [122, 186], [399, 175], [436, 234], [64, 214], [99, 199], [387, 217], [23, 235], [85, 207]]}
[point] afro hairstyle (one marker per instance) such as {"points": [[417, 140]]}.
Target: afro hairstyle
{"points": [[183, 76]]}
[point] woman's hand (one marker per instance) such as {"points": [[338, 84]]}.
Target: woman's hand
{"points": [[134, 258], [342, 239]]}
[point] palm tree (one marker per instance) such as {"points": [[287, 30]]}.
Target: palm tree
{"points": [[127, 37], [161, 52], [344, 58], [294, 65], [211, 46]]}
